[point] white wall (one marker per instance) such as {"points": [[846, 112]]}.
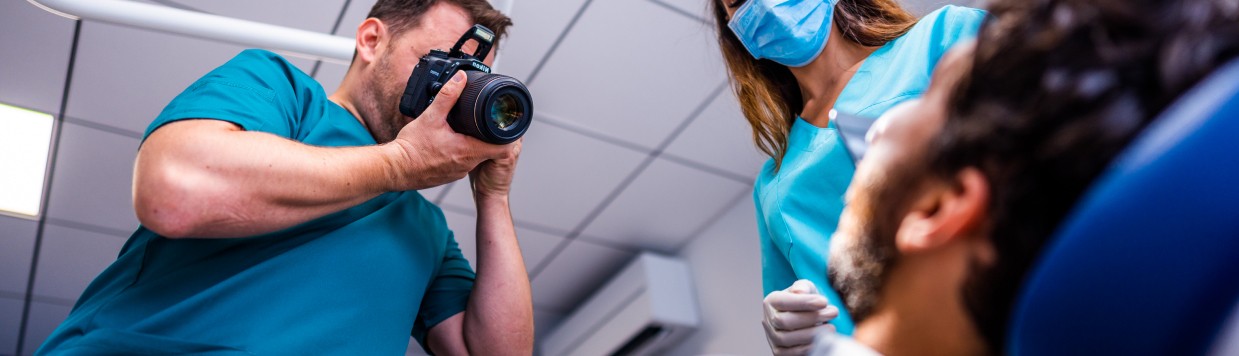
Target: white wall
{"points": [[726, 263]]}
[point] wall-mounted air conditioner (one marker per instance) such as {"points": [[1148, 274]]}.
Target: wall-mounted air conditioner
{"points": [[645, 309]]}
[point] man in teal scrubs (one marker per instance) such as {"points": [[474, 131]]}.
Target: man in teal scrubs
{"points": [[279, 220]]}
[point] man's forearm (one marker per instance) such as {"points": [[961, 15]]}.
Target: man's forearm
{"points": [[207, 178], [499, 320]]}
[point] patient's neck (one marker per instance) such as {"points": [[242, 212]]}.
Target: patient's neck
{"points": [[921, 311]]}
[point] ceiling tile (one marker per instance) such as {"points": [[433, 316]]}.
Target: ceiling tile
{"points": [[94, 177], [462, 226], [432, 193], [575, 273], [720, 138], [35, 56], [561, 177], [663, 207], [460, 198], [535, 245], [70, 258], [10, 323], [698, 9], [16, 248], [544, 321], [536, 24], [44, 318], [124, 77], [735, 229], [414, 349], [635, 84], [310, 15], [329, 76], [353, 16]]}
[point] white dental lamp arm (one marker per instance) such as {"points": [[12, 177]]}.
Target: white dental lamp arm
{"points": [[302, 43]]}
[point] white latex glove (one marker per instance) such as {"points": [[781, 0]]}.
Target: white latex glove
{"points": [[794, 315]]}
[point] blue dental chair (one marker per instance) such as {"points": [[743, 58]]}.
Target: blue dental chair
{"points": [[1148, 262]]}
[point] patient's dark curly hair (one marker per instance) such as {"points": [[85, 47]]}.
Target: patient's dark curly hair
{"points": [[1057, 88]]}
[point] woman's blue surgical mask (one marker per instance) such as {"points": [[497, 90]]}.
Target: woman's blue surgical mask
{"points": [[790, 32]]}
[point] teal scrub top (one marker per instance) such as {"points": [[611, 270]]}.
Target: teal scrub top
{"points": [[356, 282], [798, 206]]}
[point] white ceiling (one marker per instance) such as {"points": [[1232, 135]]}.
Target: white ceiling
{"points": [[637, 144]]}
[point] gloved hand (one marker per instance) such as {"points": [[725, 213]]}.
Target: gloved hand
{"points": [[794, 315]]}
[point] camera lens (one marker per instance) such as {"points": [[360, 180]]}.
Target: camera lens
{"points": [[494, 108], [506, 111]]}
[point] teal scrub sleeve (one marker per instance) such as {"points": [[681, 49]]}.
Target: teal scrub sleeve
{"points": [[776, 271], [256, 90], [448, 293], [959, 24]]}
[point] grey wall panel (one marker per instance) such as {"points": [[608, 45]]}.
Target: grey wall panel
{"points": [[93, 179]]}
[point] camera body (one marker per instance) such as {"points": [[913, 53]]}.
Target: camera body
{"points": [[493, 108]]}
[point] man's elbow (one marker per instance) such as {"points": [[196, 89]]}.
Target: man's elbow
{"points": [[165, 218], [165, 206]]}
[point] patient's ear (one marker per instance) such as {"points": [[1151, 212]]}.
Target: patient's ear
{"points": [[945, 212]]}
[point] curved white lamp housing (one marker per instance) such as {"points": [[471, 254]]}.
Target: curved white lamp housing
{"points": [[302, 43]]}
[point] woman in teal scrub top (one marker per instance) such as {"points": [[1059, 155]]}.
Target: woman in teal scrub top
{"points": [[791, 64]]}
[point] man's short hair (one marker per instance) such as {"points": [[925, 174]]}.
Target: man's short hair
{"points": [[402, 15], [1056, 90]]}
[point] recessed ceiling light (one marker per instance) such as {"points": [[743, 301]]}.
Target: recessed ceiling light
{"points": [[25, 139]]}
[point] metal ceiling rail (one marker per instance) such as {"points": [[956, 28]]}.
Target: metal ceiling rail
{"points": [[301, 43]]}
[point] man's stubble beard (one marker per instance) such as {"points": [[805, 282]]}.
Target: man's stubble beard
{"points": [[382, 103]]}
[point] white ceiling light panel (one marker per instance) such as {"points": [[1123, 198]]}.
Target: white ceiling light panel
{"points": [[25, 139]]}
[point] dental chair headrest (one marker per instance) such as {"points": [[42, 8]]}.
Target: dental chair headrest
{"points": [[1148, 261]]}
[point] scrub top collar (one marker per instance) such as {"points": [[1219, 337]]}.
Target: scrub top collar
{"points": [[804, 135]]}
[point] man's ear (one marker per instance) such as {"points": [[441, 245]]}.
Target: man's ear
{"points": [[372, 37], [945, 212]]}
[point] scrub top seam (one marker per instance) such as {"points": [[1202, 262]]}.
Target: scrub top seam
{"points": [[897, 98]]}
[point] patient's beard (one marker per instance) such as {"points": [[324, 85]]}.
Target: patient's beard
{"points": [[859, 268]]}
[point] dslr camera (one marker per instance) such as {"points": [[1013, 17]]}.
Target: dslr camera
{"points": [[494, 108]]}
